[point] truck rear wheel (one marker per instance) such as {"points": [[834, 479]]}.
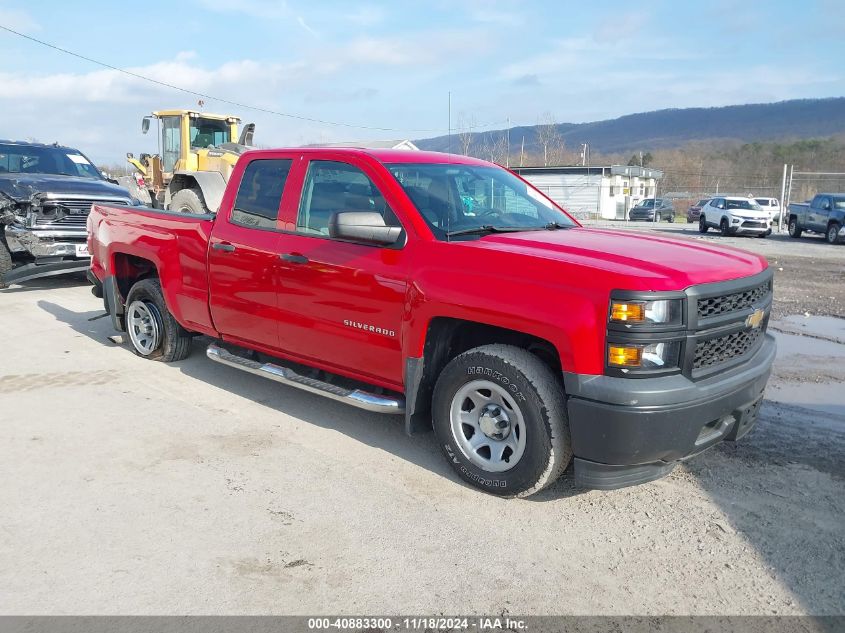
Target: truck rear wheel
{"points": [[793, 228], [500, 419], [153, 332], [188, 201], [6, 263], [832, 234]]}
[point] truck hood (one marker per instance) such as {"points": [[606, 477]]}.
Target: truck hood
{"points": [[654, 261], [21, 187]]}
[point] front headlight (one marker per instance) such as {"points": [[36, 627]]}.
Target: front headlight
{"points": [[659, 312], [652, 356]]}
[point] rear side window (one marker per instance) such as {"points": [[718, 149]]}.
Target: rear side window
{"points": [[331, 187], [260, 193]]}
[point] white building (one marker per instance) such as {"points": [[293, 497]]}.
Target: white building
{"points": [[606, 192]]}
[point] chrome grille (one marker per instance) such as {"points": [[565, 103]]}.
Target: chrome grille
{"points": [[77, 210], [712, 306], [724, 348]]}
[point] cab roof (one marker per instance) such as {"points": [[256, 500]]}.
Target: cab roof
{"points": [[205, 115], [385, 156]]}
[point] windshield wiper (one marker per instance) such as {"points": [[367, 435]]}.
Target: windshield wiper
{"points": [[488, 228], [552, 226]]}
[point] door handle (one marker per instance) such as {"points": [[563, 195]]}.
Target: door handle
{"points": [[223, 246], [294, 258]]}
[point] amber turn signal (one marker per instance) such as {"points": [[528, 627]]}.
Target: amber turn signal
{"points": [[623, 356], [623, 311]]}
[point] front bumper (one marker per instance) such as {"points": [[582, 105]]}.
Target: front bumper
{"points": [[47, 243], [627, 431], [750, 227]]}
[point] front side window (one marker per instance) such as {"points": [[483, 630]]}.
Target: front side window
{"points": [[260, 193], [458, 198], [333, 187]]}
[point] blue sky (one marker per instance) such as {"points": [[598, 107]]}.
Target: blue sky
{"points": [[392, 64]]}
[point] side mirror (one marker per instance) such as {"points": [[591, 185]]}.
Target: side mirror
{"points": [[130, 155], [363, 226], [145, 125]]}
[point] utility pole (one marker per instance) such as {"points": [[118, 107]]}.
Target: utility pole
{"points": [[508, 141], [449, 142], [522, 152], [782, 199]]}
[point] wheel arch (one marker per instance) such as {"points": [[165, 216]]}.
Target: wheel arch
{"points": [[448, 337]]}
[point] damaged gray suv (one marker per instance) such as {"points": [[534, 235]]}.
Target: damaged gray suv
{"points": [[46, 193]]}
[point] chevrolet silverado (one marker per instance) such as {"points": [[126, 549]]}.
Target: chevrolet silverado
{"points": [[447, 289]]}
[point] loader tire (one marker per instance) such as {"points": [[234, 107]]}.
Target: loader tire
{"points": [[188, 201]]}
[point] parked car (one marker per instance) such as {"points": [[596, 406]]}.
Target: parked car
{"points": [[772, 205], [525, 340], [825, 214], [734, 215], [695, 210], [647, 210], [46, 192]]}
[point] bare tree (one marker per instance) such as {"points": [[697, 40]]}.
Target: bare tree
{"points": [[495, 145], [465, 132], [550, 139]]}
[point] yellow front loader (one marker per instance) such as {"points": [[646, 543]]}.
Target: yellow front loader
{"points": [[197, 152]]}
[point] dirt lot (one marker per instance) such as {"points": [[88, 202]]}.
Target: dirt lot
{"points": [[136, 487]]}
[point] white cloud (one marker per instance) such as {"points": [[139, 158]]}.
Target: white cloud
{"points": [[366, 15], [301, 21], [262, 9], [18, 20]]}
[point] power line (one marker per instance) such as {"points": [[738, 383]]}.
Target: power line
{"points": [[203, 95]]}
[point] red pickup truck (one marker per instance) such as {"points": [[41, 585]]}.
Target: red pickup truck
{"points": [[449, 290]]}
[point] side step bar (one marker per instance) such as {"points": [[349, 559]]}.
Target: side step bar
{"points": [[286, 376]]}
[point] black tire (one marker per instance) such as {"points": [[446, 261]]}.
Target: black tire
{"points": [[832, 235], [793, 228], [671, 218], [539, 398], [188, 201], [6, 263], [724, 227], [173, 342], [702, 224], [656, 217]]}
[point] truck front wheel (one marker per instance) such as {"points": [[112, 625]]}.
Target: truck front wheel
{"points": [[153, 331], [500, 419], [832, 234], [188, 201]]}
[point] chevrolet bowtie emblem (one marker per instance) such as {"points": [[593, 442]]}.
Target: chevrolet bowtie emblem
{"points": [[755, 319]]}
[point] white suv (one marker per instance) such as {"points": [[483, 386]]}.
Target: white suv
{"points": [[771, 205], [735, 215]]}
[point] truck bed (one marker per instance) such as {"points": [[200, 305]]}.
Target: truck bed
{"points": [[176, 242]]}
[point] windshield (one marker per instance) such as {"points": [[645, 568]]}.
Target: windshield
{"points": [[455, 198], [702, 202], [35, 159], [743, 204], [209, 133], [648, 203]]}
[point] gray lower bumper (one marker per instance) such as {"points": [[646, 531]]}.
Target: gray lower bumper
{"points": [[627, 431]]}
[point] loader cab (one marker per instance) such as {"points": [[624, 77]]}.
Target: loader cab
{"points": [[184, 132]]}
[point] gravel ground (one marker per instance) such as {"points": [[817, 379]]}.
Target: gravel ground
{"points": [[137, 487]]}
